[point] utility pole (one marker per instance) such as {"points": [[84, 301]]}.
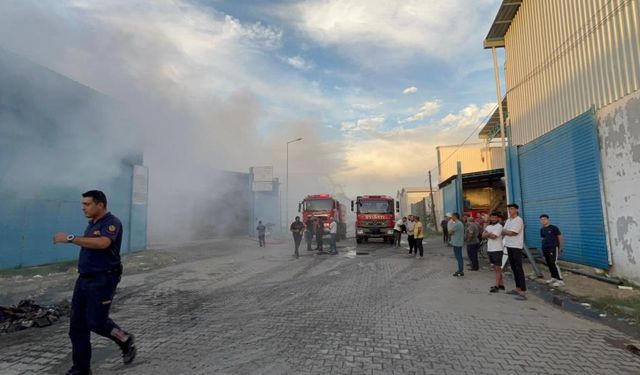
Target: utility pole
{"points": [[502, 130], [287, 193], [433, 205]]}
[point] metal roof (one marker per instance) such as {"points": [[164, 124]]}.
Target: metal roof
{"points": [[476, 178], [492, 127], [501, 23]]}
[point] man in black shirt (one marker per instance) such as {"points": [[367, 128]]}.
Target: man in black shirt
{"points": [[319, 232], [445, 230], [297, 227], [309, 232], [100, 270], [552, 242]]}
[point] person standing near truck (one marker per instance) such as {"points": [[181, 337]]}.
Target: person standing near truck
{"points": [[397, 231], [319, 233], [309, 229], [333, 232]]}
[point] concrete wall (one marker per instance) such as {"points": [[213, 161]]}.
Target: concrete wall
{"points": [[619, 132], [410, 196]]}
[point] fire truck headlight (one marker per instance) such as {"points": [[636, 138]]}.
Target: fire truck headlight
{"points": [[390, 231], [360, 231]]}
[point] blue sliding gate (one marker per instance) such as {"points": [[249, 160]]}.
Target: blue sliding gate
{"points": [[560, 176]]}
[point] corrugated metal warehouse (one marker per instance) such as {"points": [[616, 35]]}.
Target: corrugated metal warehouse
{"points": [[572, 75]]}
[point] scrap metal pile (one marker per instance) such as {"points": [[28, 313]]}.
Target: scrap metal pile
{"points": [[28, 314]]}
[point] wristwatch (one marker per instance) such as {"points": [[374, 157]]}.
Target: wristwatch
{"points": [[70, 238]]}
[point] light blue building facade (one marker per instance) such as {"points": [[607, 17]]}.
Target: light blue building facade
{"points": [[50, 153]]}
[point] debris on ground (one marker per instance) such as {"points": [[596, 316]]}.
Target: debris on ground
{"points": [[28, 314], [625, 287]]}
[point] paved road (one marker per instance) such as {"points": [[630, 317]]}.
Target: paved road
{"points": [[244, 310]]}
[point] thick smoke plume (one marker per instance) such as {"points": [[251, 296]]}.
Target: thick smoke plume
{"points": [[174, 75]]}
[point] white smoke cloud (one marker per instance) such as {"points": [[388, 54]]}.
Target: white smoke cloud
{"points": [[193, 81]]}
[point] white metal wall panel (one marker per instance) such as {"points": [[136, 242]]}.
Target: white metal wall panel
{"points": [[474, 158], [619, 130], [564, 56]]}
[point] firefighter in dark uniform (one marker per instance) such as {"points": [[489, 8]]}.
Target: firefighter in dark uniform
{"points": [[100, 269]]}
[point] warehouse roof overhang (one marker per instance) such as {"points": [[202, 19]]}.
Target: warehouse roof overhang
{"points": [[492, 128], [501, 24], [476, 179]]}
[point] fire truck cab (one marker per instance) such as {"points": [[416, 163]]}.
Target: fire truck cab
{"points": [[326, 207], [375, 217]]}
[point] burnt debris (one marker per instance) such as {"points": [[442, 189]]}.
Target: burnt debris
{"points": [[28, 314]]}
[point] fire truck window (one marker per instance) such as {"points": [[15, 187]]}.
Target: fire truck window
{"points": [[318, 205], [375, 207]]}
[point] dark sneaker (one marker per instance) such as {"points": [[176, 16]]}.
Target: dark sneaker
{"points": [[458, 274], [129, 350], [494, 289]]}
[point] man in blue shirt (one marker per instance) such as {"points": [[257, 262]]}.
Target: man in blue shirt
{"points": [[100, 269], [552, 242]]}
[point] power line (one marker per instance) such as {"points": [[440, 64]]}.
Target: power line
{"points": [[483, 122]]}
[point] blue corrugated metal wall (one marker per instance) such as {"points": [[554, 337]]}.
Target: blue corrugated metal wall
{"points": [[560, 176], [27, 224], [450, 198], [46, 123]]}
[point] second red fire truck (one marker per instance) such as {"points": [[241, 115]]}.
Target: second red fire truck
{"points": [[375, 217]]}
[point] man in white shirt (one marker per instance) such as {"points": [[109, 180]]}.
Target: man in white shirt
{"points": [[493, 233], [397, 231], [333, 231], [513, 233]]}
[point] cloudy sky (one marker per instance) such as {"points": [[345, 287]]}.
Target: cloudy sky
{"points": [[372, 86]]}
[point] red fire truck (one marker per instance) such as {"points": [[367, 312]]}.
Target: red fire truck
{"points": [[326, 207], [375, 217]]}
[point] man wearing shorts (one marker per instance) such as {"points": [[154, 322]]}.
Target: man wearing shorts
{"points": [[493, 234]]}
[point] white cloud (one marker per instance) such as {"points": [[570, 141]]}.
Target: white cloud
{"points": [[370, 125], [379, 160], [400, 27], [428, 109], [299, 63], [410, 90]]}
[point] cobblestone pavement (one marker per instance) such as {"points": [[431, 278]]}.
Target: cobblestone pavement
{"points": [[260, 311]]}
